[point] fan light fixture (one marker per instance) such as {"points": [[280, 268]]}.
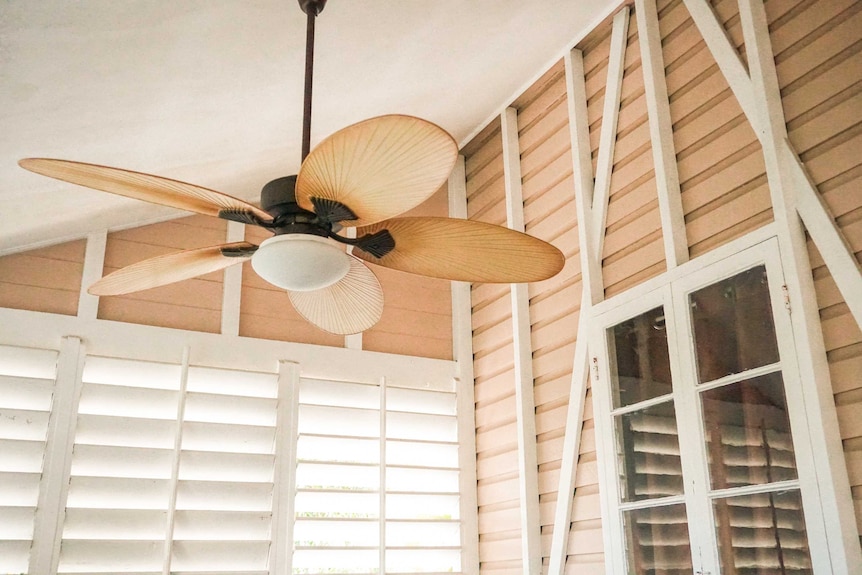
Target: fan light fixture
{"points": [[300, 262]]}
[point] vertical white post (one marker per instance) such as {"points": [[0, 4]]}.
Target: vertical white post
{"points": [[352, 341], [232, 287], [830, 468], [661, 135], [54, 486], [381, 524], [525, 403], [462, 353], [591, 286], [284, 481], [94, 265], [175, 468]]}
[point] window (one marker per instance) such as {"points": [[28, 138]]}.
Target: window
{"points": [[699, 407]]}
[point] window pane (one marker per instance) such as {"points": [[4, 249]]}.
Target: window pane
{"points": [[748, 433], [640, 366], [648, 448], [657, 541], [762, 533], [733, 327]]}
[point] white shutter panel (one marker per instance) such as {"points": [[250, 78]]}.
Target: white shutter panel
{"points": [[26, 389], [122, 460], [227, 460]]}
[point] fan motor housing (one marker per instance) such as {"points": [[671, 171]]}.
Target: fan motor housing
{"points": [[278, 198]]}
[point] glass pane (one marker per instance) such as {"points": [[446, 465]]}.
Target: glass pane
{"points": [[657, 541], [733, 327], [640, 366], [762, 533], [648, 448], [748, 439]]}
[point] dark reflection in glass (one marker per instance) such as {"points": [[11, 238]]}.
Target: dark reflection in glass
{"points": [[640, 364], [657, 541], [648, 449], [762, 533], [733, 327], [748, 436]]}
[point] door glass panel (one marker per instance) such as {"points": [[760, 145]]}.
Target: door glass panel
{"points": [[648, 451], [762, 533], [657, 541], [640, 365], [748, 438], [733, 327]]}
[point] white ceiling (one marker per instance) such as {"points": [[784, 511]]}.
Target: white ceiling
{"points": [[210, 92]]}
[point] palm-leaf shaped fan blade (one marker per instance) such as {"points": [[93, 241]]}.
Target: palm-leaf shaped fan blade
{"points": [[350, 305], [465, 250], [141, 186], [377, 168], [170, 268]]}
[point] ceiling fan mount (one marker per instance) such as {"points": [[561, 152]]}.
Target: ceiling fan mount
{"points": [[363, 176]]}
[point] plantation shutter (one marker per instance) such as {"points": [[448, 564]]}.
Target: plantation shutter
{"points": [[27, 379]]}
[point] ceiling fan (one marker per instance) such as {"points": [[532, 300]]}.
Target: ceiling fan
{"points": [[361, 177]]}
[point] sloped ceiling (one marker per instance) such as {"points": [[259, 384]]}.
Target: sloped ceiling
{"points": [[210, 92]]}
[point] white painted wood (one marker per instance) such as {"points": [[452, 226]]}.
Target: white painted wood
{"points": [[591, 291], [661, 135], [284, 480], [94, 265], [381, 512], [726, 57], [54, 485], [462, 352], [528, 469], [232, 287], [608, 134], [175, 467], [793, 195]]}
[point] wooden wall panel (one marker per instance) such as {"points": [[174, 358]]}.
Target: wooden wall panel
{"points": [[417, 311], [45, 279], [193, 304], [721, 169], [550, 214], [493, 366], [633, 251], [818, 55]]}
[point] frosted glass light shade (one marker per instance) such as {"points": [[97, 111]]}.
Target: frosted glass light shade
{"points": [[299, 262]]}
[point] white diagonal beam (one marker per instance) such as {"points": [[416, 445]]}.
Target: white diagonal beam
{"points": [[94, 266], [608, 134], [661, 135], [232, 286], [786, 175], [591, 286], [528, 467]]}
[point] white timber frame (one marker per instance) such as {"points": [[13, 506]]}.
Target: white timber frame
{"points": [[232, 286], [796, 203], [591, 200], [462, 353], [528, 467]]}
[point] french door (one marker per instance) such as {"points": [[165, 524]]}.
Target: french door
{"points": [[703, 436]]}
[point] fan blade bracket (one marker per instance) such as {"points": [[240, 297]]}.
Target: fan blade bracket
{"points": [[377, 244], [242, 216], [332, 211], [238, 250]]}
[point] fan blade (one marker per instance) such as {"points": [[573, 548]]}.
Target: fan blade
{"points": [[378, 168], [350, 305], [465, 250], [140, 186], [170, 268]]}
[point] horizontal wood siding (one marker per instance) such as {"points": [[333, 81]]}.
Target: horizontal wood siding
{"points": [[633, 251], [550, 214], [265, 310], [721, 168], [818, 56], [493, 365], [417, 311], [45, 279], [193, 304]]}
